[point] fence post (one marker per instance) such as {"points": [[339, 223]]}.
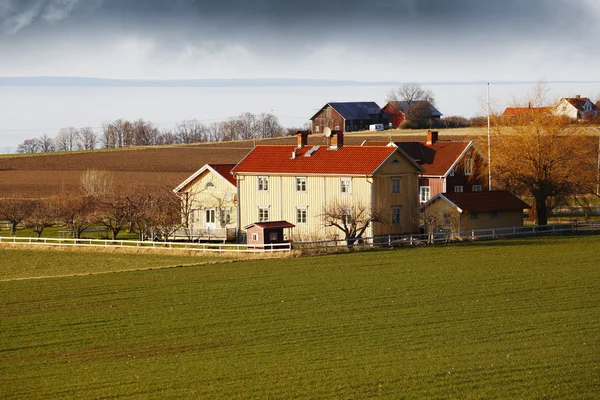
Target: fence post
{"points": [[472, 234]]}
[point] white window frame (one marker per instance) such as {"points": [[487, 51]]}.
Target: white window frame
{"points": [[263, 183], [263, 214], [301, 215], [477, 188], [468, 166], [396, 216], [458, 189], [255, 237], [424, 199], [396, 185], [346, 185], [301, 184]]}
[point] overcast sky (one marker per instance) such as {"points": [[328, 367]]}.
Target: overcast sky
{"points": [[369, 40]]}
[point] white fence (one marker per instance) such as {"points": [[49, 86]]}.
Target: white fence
{"points": [[320, 246], [447, 237], [131, 244]]}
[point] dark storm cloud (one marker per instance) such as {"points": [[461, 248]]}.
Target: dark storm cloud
{"points": [[194, 36], [302, 19]]}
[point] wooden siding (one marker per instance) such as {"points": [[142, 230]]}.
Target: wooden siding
{"points": [[219, 197], [464, 222], [328, 117], [283, 200]]}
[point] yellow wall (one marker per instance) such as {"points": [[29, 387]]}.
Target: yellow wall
{"points": [[221, 196], [282, 199], [463, 221]]}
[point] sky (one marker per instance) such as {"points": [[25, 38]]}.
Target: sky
{"points": [[364, 40]]}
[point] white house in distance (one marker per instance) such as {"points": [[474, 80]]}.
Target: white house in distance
{"points": [[576, 108], [298, 183], [208, 204]]}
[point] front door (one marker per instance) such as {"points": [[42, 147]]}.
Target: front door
{"points": [[211, 219]]}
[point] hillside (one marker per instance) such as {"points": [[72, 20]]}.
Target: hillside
{"points": [[44, 175]]}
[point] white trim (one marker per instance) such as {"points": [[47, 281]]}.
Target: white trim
{"points": [[440, 196], [198, 173], [399, 150]]}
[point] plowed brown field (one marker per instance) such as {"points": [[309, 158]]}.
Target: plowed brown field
{"points": [[45, 175]]}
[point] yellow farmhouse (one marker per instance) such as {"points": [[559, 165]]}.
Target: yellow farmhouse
{"points": [[302, 185], [208, 204]]}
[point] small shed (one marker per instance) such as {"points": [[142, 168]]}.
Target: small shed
{"points": [[261, 233]]}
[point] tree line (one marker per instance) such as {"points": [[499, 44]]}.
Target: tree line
{"points": [[125, 133]]}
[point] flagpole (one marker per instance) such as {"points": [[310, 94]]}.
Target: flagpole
{"points": [[489, 141]]}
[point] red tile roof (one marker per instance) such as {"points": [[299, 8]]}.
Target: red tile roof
{"points": [[225, 171], [436, 159], [486, 201], [347, 160], [271, 225]]}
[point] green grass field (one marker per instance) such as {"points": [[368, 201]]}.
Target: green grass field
{"points": [[504, 319]]}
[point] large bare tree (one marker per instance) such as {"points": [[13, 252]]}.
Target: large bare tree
{"points": [[42, 215], [411, 92], [14, 210], [353, 219]]}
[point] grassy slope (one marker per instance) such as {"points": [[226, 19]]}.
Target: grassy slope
{"points": [[21, 264], [508, 319]]}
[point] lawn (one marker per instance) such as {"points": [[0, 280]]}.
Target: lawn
{"points": [[503, 319], [19, 263]]}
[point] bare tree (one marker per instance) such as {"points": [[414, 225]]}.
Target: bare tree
{"points": [[76, 212], [190, 131], [247, 126], [268, 126], [164, 208], [97, 184], [214, 132], [46, 144], [14, 210], [230, 130], [109, 136], [67, 139], [28, 146], [88, 139], [166, 136], [145, 133], [42, 215], [114, 212], [411, 92], [352, 219]]}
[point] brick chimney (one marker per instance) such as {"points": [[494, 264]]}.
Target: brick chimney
{"points": [[302, 137], [577, 96], [432, 137], [337, 140]]}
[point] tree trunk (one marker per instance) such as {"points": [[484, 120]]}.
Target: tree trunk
{"points": [[13, 227], [541, 212]]}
